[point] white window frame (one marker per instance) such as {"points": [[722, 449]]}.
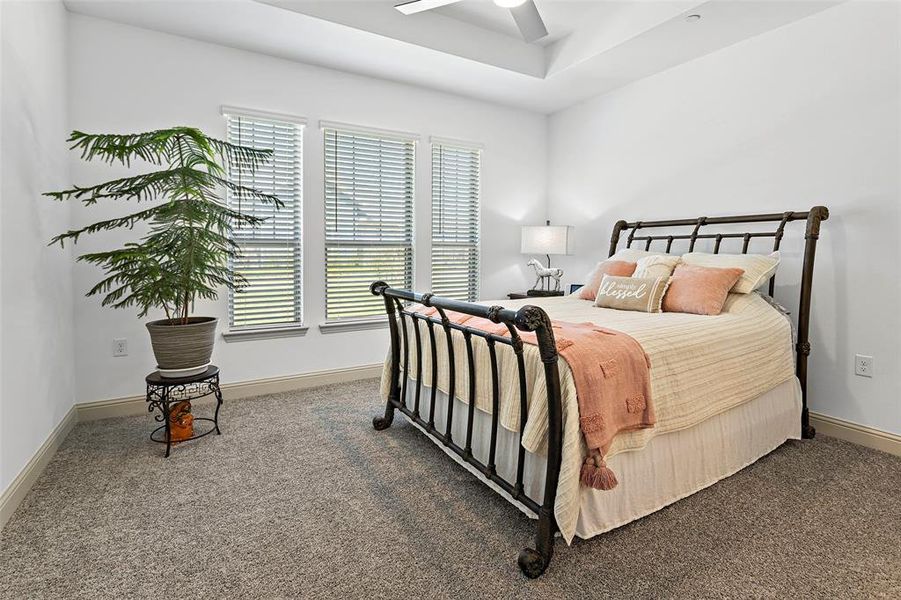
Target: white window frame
{"points": [[377, 318], [438, 144], [296, 326]]}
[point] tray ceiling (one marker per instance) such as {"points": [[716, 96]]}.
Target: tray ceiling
{"points": [[473, 47]]}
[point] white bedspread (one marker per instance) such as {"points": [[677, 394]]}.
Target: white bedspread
{"points": [[701, 366]]}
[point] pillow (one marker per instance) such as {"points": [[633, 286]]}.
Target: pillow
{"points": [[631, 293], [658, 265], [608, 267], [699, 290], [757, 268], [633, 254]]}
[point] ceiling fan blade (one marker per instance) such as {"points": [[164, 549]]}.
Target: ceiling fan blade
{"points": [[529, 21], [411, 7]]}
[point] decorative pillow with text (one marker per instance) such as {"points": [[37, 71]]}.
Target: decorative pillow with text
{"points": [[632, 293]]}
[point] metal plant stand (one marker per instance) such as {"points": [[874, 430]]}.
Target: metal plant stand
{"points": [[163, 392]]}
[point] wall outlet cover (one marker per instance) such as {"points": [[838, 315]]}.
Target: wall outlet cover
{"points": [[863, 365], [120, 347]]}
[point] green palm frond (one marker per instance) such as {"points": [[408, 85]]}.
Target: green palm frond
{"points": [[185, 253]]}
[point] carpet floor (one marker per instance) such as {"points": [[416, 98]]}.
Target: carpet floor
{"points": [[300, 497]]}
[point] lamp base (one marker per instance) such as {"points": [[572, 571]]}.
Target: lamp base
{"points": [[543, 293]]}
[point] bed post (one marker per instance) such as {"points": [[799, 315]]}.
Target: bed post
{"points": [[614, 238], [814, 217], [534, 561], [378, 288]]}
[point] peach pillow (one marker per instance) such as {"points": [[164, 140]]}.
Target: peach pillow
{"points": [[699, 290], [616, 268]]}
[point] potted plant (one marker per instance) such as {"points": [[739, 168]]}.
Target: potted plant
{"points": [[185, 253]]}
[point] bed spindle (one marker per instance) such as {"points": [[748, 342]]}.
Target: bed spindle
{"points": [[451, 376], [777, 241], [694, 233], [406, 352], [780, 231], [523, 408], [418, 366], [434, 387], [470, 417], [495, 405], [632, 234]]}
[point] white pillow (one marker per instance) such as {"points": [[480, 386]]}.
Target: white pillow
{"points": [[758, 268], [633, 254], [656, 265]]}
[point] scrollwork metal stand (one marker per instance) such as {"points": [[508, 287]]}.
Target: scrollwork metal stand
{"points": [[162, 392]]}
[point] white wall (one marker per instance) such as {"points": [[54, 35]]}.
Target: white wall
{"points": [[37, 373], [126, 79], [806, 114]]}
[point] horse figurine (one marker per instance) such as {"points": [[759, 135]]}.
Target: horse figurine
{"points": [[544, 273]]}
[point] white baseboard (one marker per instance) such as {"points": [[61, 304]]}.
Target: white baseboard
{"points": [[21, 485], [137, 405], [859, 434]]}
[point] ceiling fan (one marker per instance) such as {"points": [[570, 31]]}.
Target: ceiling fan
{"points": [[524, 12]]}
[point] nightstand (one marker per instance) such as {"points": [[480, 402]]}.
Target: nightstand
{"points": [[534, 294]]}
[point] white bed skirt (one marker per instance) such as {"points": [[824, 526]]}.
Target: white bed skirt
{"points": [[672, 466]]}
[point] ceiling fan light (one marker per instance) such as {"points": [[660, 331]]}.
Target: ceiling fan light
{"points": [[509, 3]]}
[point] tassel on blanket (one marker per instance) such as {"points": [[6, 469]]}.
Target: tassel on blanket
{"points": [[596, 474]]}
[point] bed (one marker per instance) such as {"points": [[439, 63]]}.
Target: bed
{"points": [[727, 389]]}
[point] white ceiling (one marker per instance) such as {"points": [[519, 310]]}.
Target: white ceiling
{"points": [[473, 47]]}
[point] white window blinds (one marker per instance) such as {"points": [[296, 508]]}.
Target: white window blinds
{"points": [[368, 219], [455, 221], [269, 259]]}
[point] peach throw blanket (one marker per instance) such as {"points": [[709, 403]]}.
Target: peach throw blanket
{"points": [[611, 373]]}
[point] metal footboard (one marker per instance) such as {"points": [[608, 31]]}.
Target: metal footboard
{"points": [[532, 561]]}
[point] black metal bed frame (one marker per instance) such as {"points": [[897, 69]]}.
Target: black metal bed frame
{"points": [[534, 561]]}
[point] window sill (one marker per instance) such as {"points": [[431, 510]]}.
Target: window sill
{"points": [[354, 325], [262, 333]]}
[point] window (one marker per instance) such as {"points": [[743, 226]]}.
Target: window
{"points": [[455, 221], [368, 219], [269, 254]]}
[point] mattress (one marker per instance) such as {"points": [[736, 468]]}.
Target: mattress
{"points": [[701, 366], [670, 467]]}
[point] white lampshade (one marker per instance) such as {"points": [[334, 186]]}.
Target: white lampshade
{"points": [[546, 239]]}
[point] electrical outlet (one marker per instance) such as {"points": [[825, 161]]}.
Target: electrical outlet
{"points": [[863, 365], [120, 347]]}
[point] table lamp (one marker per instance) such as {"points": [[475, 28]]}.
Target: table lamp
{"points": [[546, 239]]}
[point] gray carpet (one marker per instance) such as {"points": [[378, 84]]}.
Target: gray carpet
{"points": [[300, 497]]}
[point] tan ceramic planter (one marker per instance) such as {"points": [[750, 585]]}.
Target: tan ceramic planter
{"points": [[182, 350]]}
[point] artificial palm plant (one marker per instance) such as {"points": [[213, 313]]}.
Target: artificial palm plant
{"points": [[185, 253]]}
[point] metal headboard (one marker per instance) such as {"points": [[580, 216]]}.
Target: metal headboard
{"points": [[814, 217]]}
